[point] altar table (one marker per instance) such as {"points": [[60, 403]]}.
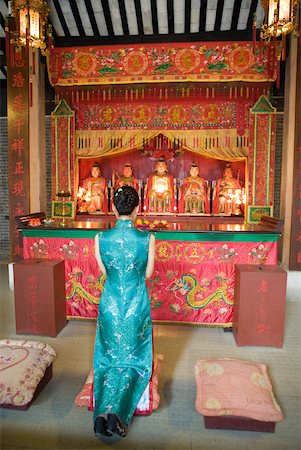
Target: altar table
{"points": [[193, 280]]}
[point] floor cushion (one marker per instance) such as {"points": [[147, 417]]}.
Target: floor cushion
{"points": [[149, 401], [25, 368], [235, 394]]}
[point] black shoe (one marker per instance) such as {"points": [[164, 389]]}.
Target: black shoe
{"points": [[100, 427], [114, 426]]}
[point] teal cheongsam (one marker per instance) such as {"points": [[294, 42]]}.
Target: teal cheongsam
{"points": [[123, 346]]}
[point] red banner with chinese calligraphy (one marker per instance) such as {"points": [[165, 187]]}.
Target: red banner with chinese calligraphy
{"points": [[18, 140], [193, 281], [157, 63]]}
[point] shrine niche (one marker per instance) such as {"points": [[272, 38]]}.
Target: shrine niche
{"points": [[162, 182]]}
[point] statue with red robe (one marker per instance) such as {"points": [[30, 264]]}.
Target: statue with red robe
{"points": [[94, 192], [126, 179], [227, 194]]}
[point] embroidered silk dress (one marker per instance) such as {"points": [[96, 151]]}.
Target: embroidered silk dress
{"points": [[123, 346]]}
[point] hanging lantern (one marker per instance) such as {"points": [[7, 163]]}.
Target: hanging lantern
{"points": [[279, 19], [28, 20]]}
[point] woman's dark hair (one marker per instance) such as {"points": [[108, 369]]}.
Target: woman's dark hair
{"points": [[126, 198]]}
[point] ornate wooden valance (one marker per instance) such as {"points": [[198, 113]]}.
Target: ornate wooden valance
{"points": [[162, 63]]}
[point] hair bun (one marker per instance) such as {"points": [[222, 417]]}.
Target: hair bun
{"points": [[126, 199]]}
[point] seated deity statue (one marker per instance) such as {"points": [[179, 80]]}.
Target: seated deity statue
{"points": [[92, 195], [227, 194], [126, 179], [159, 194], [194, 197]]}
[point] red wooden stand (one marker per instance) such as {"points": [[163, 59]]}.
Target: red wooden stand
{"points": [[259, 305], [40, 302]]}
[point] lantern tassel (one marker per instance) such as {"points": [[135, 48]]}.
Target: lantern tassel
{"points": [[30, 94], [278, 69], [7, 41], [27, 41], [283, 53], [33, 62], [12, 55]]}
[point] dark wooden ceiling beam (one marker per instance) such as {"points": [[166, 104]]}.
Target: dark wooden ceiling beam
{"points": [[61, 17], [219, 15], [170, 17], [3, 70], [203, 15], [235, 14], [77, 41], [92, 17], [77, 18], [252, 11], [139, 16], [108, 18], [124, 21], [187, 15], [154, 17], [2, 44], [2, 21]]}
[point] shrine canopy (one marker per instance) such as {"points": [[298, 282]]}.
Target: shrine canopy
{"points": [[161, 63], [207, 125]]}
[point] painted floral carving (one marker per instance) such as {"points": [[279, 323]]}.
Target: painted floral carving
{"points": [[162, 62]]}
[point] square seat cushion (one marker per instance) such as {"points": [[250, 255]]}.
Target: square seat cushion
{"points": [[149, 401], [235, 388], [23, 365]]}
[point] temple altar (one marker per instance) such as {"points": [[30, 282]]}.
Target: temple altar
{"points": [[193, 280], [213, 114]]}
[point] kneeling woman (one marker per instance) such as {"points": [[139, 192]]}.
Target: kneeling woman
{"points": [[123, 345]]}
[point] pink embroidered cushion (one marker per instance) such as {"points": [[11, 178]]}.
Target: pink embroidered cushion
{"points": [[150, 398], [22, 366], [155, 380], [84, 397], [230, 387]]}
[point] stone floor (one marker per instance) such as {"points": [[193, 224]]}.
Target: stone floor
{"points": [[54, 422]]}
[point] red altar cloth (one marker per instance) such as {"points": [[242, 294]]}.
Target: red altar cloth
{"points": [[193, 281]]}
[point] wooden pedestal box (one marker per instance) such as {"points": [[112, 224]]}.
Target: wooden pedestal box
{"points": [[259, 305], [40, 299]]}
